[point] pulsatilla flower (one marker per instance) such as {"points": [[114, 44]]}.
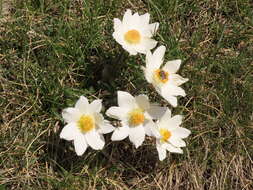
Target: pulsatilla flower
{"points": [[170, 134], [136, 114], [165, 80], [85, 125], [134, 32]]}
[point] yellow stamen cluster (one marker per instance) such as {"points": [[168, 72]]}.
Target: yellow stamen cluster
{"points": [[133, 36], [165, 134], [136, 117], [86, 123], [161, 76]]}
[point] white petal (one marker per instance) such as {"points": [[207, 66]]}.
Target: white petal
{"points": [[161, 151], [117, 112], [117, 23], [126, 100], [106, 127], [94, 140], [171, 99], [148, 74], [177, 142], [142, 101], [127, 16], [130, 49], [172, 90], [82, 104], [156, 112], [175, 121], [80, 144], [172, 66], [146, 45], [154, 27], [170, 123], [71, 115], [164, 120], [69, 132], [173, 149], [95, 106], [145, 18], [159, 54], [177, 80], [137, 135], [151, 129], [181, 132], [120, 133]]}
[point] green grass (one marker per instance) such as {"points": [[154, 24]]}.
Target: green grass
{"points": [[51, 52]]}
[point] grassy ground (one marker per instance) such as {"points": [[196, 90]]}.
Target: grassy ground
{"points": [[51, 52]]}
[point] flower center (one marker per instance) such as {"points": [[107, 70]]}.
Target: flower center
{"points": [[161, 76], [86, 123], [136, 117], [133, 36], [165, 134]]}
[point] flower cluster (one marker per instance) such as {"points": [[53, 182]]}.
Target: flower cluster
{"points": [[138, 117]]}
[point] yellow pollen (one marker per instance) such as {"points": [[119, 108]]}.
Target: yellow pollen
{"points": [[165, 134], [161, 76], [86, 123], [136, 117], [133, 36]]}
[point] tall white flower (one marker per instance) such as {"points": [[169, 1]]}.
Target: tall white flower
{"points": [[85, 125], [165, 80], [136, 116], [170, 134], [134, 32]]}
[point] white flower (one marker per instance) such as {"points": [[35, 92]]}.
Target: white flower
{"points": [[136, 116], [164, 79], [170, 134], [134, 32], [85, 125]]}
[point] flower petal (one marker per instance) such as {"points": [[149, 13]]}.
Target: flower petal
{"points": [[161, 151], [117, 23], [172, 90], [164, 120], [172, 66], [95, 106], [71, 115], [105, 127], [175, 121], [82, 104], [126, 100], [69, 132], [172, 148], [94, 140], [177, 142], [137, 135], [142, 101], [145, 18], [154, 61], [80, 144], [154, 27], [181, 132], [127, 16], [177, 80], [151, 129], [120, 133], [117, 113], [147, 44]]}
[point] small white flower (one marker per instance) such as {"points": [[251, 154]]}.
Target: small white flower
{"points": [[170, 134], [134, 32], [85, 125], [165, 80], [136, 116]]}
